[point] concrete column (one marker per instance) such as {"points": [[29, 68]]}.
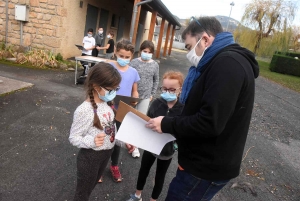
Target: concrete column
{"points": [[136, 22]]}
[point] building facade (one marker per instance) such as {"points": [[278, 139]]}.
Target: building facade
{"points": [[58, 25]]}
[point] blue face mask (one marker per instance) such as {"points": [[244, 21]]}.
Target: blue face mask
{"points": [[146, 56], [168, 97], [108, 96], [123, 62]]}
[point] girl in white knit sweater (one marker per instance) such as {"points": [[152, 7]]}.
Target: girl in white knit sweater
{"points": [[93, 128]]}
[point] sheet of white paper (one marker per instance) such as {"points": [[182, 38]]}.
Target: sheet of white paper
{"points": [[134, 132]]}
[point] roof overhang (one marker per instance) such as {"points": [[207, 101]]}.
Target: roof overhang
{"points": [[162, 11]]}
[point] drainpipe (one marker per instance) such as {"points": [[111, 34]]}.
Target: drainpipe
{"points": [[6, 26], [21, 33], [135, 10]]}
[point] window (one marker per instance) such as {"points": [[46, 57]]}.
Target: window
{"points": [[113, 21]]}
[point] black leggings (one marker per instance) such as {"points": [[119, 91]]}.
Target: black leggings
{"points": [[116, 153], [84, 62], [90, 166], [161, 170]]}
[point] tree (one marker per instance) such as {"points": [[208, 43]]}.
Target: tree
{"points": [[295, 38], [266, 18]]}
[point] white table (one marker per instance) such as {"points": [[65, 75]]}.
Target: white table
{"points": [[89, 59]]}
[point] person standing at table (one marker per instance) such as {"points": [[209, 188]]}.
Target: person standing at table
{"points": [[110, 46], [99, 41], [88, 43]]}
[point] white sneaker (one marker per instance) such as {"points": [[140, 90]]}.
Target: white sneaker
{"points": [[136, 153], [86, 69], [133, 198]]}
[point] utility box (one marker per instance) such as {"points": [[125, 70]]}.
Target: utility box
{"points": [[21, 12]]}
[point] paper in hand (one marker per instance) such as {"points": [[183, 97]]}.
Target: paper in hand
{"points": [[133, 131]]}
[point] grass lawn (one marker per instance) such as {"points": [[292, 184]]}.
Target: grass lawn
{"points": [[289, 81]]}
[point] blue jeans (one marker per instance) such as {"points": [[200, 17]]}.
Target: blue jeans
{"points": [[186, 187]]}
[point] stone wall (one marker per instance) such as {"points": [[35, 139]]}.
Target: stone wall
{"points": [[44, 30], [58, 25]]}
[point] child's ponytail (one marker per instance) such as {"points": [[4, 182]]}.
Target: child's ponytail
{"points": [[96, 122]]}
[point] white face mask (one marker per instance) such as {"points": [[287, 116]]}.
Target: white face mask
{"points": [[193, 57], [108, 36], [100, 32]]}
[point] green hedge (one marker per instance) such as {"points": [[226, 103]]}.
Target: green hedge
{"points": [[285, 65], [290, 54]]}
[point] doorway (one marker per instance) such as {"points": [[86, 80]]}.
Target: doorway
{"points": [[91, 18]]}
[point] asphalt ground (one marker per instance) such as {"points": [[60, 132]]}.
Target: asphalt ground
{"points": [[37, 162]]}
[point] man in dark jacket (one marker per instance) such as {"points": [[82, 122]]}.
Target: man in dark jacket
{"points": [[218, 94]]}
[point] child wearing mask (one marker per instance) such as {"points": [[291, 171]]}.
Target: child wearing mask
{"points": [[110, 46], [93, 128], [167, 105], [99, 41], [128, 87], [88, 43], [148, 70]]}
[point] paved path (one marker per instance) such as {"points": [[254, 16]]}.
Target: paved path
{"points": [[38, 163], [8, 85]]}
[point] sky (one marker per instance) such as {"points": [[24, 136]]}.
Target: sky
{"points": [[186, 8]]}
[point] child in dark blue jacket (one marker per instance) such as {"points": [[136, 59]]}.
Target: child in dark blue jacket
{"points": [[167, 105]]}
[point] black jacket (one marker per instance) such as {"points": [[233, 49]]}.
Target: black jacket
{"points": [[159, 107], [212, 130]]}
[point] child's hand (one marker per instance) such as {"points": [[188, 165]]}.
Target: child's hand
{"points": [[99, 139], [130, 148]]}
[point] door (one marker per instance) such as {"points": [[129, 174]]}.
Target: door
{"points": [[103, 24], [103, 20], [140, 32], [120, 28], [91, 18]]}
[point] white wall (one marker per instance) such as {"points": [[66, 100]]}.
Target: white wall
{"points": [[178, 45]]}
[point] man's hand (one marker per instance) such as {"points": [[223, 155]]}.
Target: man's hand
{"points": [[98, 48], [99, 139], [130, 148], [155, 124]]}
